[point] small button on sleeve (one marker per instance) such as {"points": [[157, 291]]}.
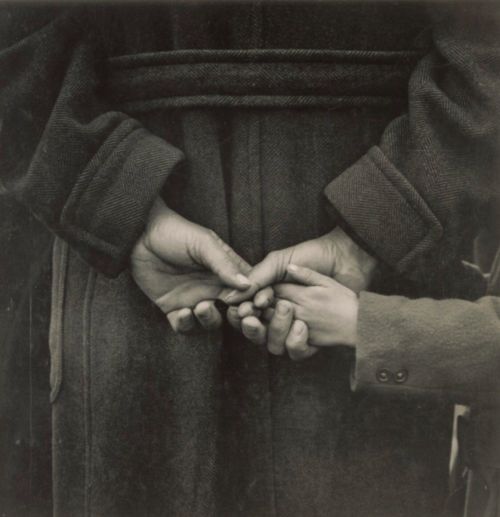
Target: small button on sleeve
{"points": [[384, 375], [401, 376]]}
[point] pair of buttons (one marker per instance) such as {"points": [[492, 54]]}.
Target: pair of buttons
{"points": [[385, 376]]}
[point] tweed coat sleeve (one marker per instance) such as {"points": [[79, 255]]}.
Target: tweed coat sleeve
{"points": [[448, 347], [433, 169], [89, 173]]}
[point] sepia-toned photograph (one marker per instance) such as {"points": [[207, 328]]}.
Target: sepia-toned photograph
{"points": [[250, 258]]}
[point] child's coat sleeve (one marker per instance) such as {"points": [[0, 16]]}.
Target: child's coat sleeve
{"points": [[89, 173], [448, 347]]}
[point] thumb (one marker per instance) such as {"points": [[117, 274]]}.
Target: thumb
{"points": [[220, 258], [306, 276]]}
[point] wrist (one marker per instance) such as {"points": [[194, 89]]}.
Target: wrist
{"points": [[159, 216], [352, 265]]}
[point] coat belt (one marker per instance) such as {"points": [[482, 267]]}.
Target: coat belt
{"points": [[259, 78]]}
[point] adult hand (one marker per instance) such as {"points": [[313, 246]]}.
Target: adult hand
{"points": [[334, 254], [181, 265]]}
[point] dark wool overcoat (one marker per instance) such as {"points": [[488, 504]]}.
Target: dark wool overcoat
{"points": [[240, 116]]}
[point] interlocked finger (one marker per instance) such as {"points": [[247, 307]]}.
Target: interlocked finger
{"points": [[264, 298], [268, 314], [296, 342], [248, 309], [182, 320], [279, 327], [233, 318], [207, 315], [254, 330]]}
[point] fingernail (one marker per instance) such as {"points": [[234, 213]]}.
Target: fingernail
{"points": [[262, 301], [230, 296], [282, 308], [250, 328], [293, 268], [243, 280]]}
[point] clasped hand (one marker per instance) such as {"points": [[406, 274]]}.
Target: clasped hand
{"points": [[297, 299]]}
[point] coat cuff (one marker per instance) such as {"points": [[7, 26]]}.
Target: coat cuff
{"points": [[104, 219], [390, 358], [378, 365], [427, 346], [383, 212]]}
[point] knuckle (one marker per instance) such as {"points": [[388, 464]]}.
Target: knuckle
{"points": [[277, 332], [228, 250], [210, 237], [212, 234], [283, 309], [277, 328]]}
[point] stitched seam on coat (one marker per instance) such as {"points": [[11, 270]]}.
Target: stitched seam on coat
{"points": [[190, 56], [94, 241], [257, 39], [256, 101], [86, 349], [56, 332], [270, 368], [144, 68], [254, 168]]}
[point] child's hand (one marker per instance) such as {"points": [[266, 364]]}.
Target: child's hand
{"points": [[329, 309]]}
